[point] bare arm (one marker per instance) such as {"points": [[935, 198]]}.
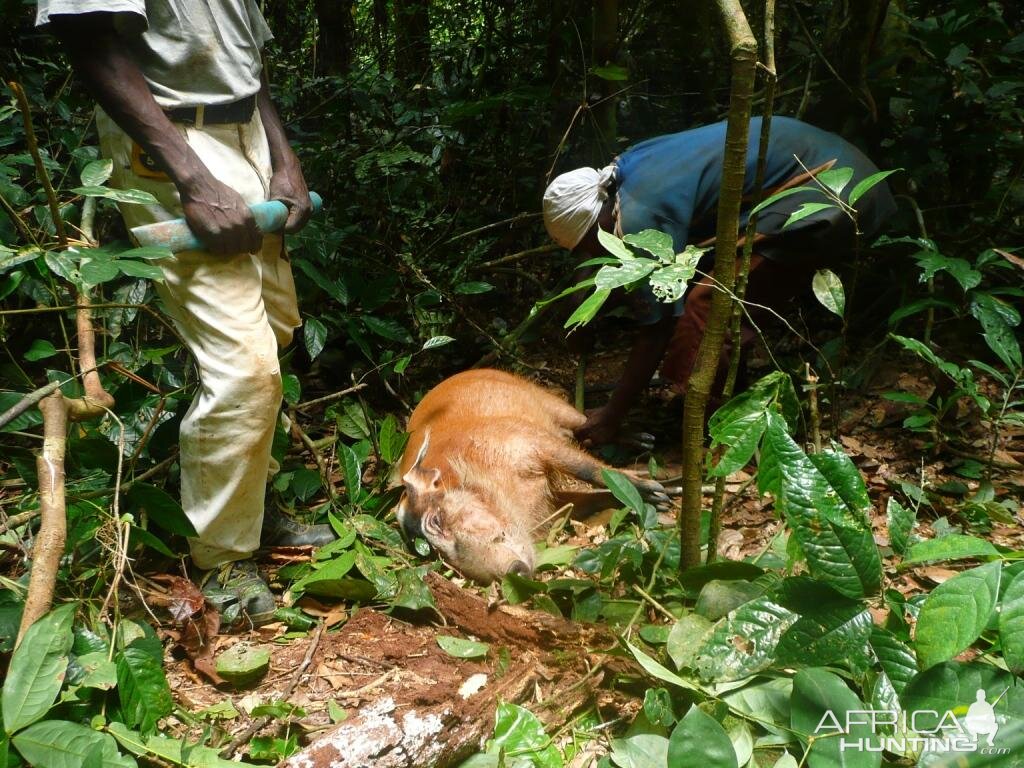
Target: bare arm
{"points": [[215, 212], [603, 424], [287, 184]]}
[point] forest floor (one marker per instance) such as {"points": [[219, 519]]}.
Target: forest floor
{"points": [[369, 663]]}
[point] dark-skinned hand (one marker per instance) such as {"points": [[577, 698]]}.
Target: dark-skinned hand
{"points": [[220, 218], [289, 186]]}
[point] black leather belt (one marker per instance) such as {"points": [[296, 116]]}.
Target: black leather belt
{"points": [[216, 114]]}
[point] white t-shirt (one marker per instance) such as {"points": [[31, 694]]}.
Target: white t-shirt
{"points": [[191, 52]]}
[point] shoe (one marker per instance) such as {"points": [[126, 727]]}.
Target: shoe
{"points": [[238, 592], [279, 530]]}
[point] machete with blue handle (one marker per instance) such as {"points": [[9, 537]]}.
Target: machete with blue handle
{"points": [[175, 234]]}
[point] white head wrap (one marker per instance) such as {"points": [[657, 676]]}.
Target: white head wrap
{"points": [[573, 201]]}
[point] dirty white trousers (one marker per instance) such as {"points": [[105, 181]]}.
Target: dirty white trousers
{"points": [[233, 313]]}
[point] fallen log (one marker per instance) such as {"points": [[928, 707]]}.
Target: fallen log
{"points": [[430, 709]]}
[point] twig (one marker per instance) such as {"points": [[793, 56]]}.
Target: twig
{"points": [[307, 441], [331, 397], [243, 738], [518, 256], [660, 608], [812, 398], [517, 219], [127, 486], [41, 172], [27, 402]]}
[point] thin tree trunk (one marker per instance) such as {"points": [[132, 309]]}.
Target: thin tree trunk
{"points": [[335, 39], [412, 39], [606, 29], [743, 49], [735, 323]]}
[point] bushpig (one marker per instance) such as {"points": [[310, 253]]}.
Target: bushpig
{"points": [[484, 449]]}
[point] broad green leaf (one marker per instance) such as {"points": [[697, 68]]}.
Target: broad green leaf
{"points": [[700, 741], [314, 334], [141, 684], [161, 508], [862, 186], [625, 273], [100, 672], [740, 437], [97, 271], [1011, 624], [60, 744], [473, 288], [685, 639], [670, 282], [845, 479], [641, 750], [692, 579], [462, 648], [744, 642], [97, 172], [896, 658], [766, 702], [832, 634], [437, 341], [611, 72], [40, 350], [901, 523], [413, 592], [138, 269], [391, 440], [953, 546], [585, 312], [174, 751], [658, 707], [835, 179], [136, 196], [623, 490], [517, 731], [37, 669], [614, 245], [998, 321], [660, 671], [828, 289], [805, 210], [932, 262], [820, 704], [352, 469], [772, 199], [10, 259], [386, 328], [955, 613], [147, 252], [658, 244], [330, 578]]}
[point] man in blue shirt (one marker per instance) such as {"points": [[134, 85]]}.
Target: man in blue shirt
{"points": [[671, 183]]}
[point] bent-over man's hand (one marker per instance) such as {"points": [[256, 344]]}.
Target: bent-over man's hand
{"points": [[219, 217], [289, 186]]}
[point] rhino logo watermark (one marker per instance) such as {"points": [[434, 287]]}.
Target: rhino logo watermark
{"points": [[916, 731]]}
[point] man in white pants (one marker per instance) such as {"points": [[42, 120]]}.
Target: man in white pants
{"points": [[185, 114]]}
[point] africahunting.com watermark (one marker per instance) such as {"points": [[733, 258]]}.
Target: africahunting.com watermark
{"points": [[915, 731]]}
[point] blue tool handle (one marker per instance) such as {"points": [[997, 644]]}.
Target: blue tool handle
{"points": [[175, 234]]}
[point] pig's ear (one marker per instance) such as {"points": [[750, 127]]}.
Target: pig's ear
{"points": [[419, 479]]}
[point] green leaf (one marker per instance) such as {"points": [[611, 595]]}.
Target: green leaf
{"points": [[461, 648], [901, 523], [741, 437], [954, 546], [614, 245], [314, 334], [352, 469], [699, 741], [820, 704], [95, 271], [99, 671], [37, 669], [472, 288], [658, 706], [611, 72], [744, 642], [518, 732], [828, 289], [669, 283], [139, 269], [766, 702], [141, 684], [862, 186], [1011, 624], [830, 634], [136, 196], [998, 321], [585, 312], [437, 341], [413, 592], [641, 750], [623, 490], [835, 179], [609, 278], [805, 210], [161, 508], [291, 388], [772, 199], [955, 613], [60, 744], [658, 244], [659, 671], [897, 659], [147, 252], [686, 638], [386, 328], [932, 262], [40, 350], [97, 172], [391, 440]]}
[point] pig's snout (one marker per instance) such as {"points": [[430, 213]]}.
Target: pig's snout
{"points": [[519, 568]]}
